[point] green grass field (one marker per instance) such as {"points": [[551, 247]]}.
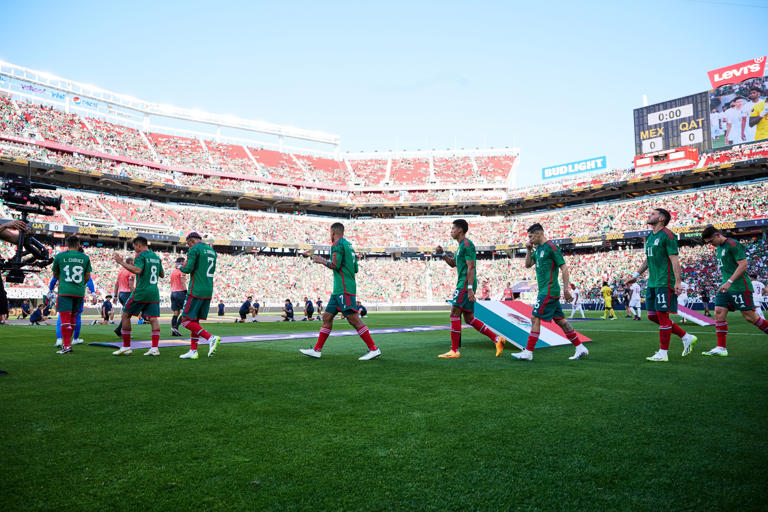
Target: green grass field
{"points": [[261, 427]]}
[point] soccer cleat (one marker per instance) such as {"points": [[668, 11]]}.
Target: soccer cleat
{"points": [[689, 340], [94, 322], [213, 344], [154, 351], [77, 341], [658, 357], [500, 340], [123, 351], [175, 332], [717, 351], [59, 342], [371, 354], [192, 354], [581, 351], [524, 355], [311, 352], [64, 351], [119, 331], [613, 318], [450, 355]]}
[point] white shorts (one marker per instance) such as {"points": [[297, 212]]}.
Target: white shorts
{"points": [[682, 300], [634, 303]]}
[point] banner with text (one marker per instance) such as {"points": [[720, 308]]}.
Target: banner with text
{"points": [[590, 165]]}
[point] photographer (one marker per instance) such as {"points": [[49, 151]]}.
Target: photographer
{"points": [[13, 238]]}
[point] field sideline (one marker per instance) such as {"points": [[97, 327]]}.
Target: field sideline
{"points": [[261, 427]]}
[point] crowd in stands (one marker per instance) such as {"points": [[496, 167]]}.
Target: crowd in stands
{"points": [[722, 204]]}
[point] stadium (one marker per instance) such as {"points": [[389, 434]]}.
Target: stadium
{"points": [[260, 426]]}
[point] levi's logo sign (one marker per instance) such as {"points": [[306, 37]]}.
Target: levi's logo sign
{"points": [[737, 73]]}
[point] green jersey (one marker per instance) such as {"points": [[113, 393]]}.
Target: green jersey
{"points": [[343, 262], [466, 252], [729, 253], [658, 248], [71, 268], [548, 260], [146, 283], [201, 264]]}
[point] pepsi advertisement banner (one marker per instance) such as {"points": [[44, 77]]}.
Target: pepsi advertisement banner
{"points": [[563, 170]]}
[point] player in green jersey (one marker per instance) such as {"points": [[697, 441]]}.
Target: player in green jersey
{"points": [[201, 265], [735, 292], [343, 262], [72, 269], [463, 300], [145, 298], [549, 263], [664, 283]]}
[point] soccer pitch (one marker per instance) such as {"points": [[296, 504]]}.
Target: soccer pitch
{"points": [[261, 427]]}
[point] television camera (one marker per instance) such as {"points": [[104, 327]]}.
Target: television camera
{"points": [[31, 255]]}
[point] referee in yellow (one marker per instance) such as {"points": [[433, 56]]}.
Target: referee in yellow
{"points": [[606, 290]]}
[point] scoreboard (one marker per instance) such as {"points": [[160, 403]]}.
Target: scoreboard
{"points": [[673, 124]]}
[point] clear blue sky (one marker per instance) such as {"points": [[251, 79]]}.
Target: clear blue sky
{"points": [[557, 79]]}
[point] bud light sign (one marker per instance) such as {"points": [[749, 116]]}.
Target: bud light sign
{"points": [[559, 171]]}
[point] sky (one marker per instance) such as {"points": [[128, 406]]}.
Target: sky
{"points": [[559, 80]]}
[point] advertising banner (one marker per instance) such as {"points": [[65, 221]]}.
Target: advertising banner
{"points": [[590, 165]]}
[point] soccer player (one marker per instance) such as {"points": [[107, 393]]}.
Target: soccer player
{"points": [[705, 301], [309, 309], [107, 315], [606, 291], [663, 266], [145, 298], [682, 299], [255, 310], [758, 295], [245, 308], [319, 304], [343, 262], [76, 340], [72, 269], [178, 295], [576, 301], [758, 118], [736, 290], [201, 264], [634, 301], [288, 311], [463, 301], [549, 263], [124, 285], [362, 309]]}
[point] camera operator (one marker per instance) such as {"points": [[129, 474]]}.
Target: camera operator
{"points": [[13, 238]]}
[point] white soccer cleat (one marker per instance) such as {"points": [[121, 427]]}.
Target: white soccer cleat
{"points": [[192, 354], [213, 344], [77, 341], [524, 355], [311, 352], [581, 351], [371, 354], [717, 351], [154, 351], [59, 342], [123, 351], [658, 357], [64, 351], [689, 340]]}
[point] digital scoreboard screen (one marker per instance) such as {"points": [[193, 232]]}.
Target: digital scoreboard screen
{"points": [[673, 124]]}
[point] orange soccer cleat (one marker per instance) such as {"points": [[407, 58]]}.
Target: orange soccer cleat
{"points": [[450, 355], [500, 344]]}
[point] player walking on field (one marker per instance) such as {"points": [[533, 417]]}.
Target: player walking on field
{"points": [[549, 263], [72, 269], [608, 300], [576, 301], [343, 262], [463, 300], [201, 265], [145, 299], [736, 290], [663, 265]]}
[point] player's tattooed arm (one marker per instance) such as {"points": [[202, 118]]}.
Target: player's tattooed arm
{"points": [[528, 258], [566, 283], [450, 260]]}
